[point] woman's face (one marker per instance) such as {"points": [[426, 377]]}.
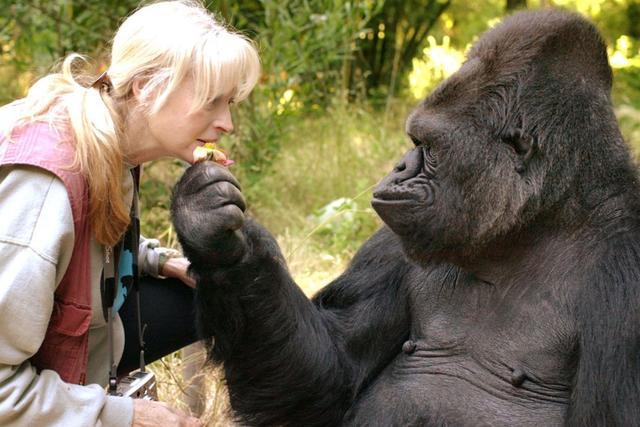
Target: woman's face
{"points": [[175, 131]]}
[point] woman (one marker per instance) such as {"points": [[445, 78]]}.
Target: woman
{"points": [[66, 194]]}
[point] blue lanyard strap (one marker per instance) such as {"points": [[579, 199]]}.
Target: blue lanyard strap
{"points": [[120, 271]]}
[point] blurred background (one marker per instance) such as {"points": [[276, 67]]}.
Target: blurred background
{"points": [[324, 124]]}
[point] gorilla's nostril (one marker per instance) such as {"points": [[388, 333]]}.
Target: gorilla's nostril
{"points": [[400, 167]]}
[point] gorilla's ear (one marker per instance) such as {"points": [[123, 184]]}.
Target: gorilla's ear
{"points": [[523, 146]]}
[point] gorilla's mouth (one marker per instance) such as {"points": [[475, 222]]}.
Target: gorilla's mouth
{"points": [[419, 191], [402, 196]]}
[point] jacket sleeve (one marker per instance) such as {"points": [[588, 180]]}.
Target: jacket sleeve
{"points": [[36, 241], [152, 256]]}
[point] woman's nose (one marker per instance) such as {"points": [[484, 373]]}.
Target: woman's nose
{"points": [[224, 123]]}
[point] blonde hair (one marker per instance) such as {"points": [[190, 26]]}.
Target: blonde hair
{"points": [[161, 44]]}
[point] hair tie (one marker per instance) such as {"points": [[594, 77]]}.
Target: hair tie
{"points": [[102, 82]]}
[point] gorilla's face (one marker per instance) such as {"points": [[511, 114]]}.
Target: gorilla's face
{"points": [[468, 180], [516, 139]]}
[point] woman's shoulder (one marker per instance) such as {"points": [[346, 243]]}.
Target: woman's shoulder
{"points": [[16, 124], [45, 145], [41, 132], [29, 194], [32, 181]]}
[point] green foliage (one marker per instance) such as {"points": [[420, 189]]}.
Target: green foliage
{"points": [[353, 49], [155, 190], [36, 34], [308, 44], [305, 47], [342, 224], [339, 154], [395, 35], [438, 62], [627, 87]]}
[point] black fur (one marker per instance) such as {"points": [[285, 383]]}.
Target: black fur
{"points": [[505, 289]]}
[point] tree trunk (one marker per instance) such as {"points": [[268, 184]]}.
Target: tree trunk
{"points": [[516, 4], [633, 16]]}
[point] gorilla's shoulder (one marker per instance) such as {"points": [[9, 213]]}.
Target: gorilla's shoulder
{"points": [[378, 271]]}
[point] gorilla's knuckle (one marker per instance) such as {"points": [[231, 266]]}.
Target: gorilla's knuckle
{"points": [[232, 216], [216, 172], [217, 194]]}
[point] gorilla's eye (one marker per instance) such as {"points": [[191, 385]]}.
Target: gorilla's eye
{"points": [[415, 140]]}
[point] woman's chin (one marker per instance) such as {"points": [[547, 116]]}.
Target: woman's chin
{"points": [[185, 155]]}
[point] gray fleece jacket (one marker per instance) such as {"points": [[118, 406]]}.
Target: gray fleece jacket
{"points": [[36, 241]]}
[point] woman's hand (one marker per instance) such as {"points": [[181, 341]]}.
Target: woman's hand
{"points": [[147, 413], [178, 269]]}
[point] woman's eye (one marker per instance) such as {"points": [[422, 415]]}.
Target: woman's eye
{"points": [[216, 103], [212, 105]]}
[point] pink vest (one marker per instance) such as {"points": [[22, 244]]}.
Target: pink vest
{"points": [[66, 342]]}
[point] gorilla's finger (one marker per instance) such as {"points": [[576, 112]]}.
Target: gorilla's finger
{"points": [[219, 194], [230, 217], [212, 231], [209, 172], [202, 174], [215, 172]]}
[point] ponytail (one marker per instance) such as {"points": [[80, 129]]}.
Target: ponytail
{"points": [[71, 105]]}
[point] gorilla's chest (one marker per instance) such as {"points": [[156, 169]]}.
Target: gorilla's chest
{"points": [[522, 321], [478, 354]]}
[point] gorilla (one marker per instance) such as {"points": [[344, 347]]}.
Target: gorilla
{"points": [[503, 288]]}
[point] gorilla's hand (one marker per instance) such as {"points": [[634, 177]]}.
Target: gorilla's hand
{"points": [[207, 210]]}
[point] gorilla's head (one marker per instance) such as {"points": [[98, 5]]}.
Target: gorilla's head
{"points": [[522, 135]]}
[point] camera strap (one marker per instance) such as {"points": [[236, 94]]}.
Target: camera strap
{"points": [[119, 277], [108, 290]]}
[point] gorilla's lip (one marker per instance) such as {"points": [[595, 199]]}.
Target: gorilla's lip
{"points": [[390, 209], [393, 212], [400, 197], [394, 201]]}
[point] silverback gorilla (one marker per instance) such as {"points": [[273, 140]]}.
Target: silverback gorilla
{"points": [[504, 289]]}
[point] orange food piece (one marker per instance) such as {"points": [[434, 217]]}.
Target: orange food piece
{"points": [[211, 152]]}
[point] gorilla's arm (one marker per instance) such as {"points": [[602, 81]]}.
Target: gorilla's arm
{"points": [[291, 361], [288, 360], [606, 388]]}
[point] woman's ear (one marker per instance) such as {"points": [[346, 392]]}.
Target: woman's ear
{"points": [[137, 87], [139, 95]]}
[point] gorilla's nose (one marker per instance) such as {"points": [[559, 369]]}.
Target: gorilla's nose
{"points": [[408, 167], [391, 186]]}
